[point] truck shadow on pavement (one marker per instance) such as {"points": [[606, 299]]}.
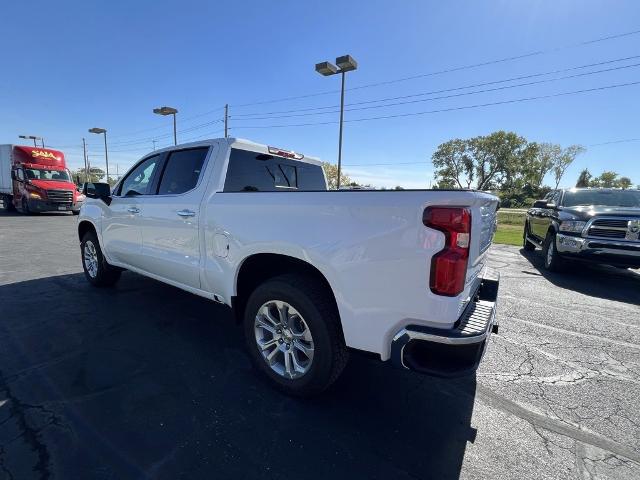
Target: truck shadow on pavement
{"points": [[147, 381], [600, 281]]}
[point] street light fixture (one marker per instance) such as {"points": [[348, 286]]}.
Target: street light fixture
{"points": [[106, 152], [345, 64], [169, 111], [34, 138]]}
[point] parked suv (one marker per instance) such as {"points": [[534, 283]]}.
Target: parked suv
{"points": [[309, 272], [594, 224]]}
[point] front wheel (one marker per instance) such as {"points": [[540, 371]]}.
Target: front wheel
{"points": [[25, 207], [552, 260], [293, 334], [96, 269]]}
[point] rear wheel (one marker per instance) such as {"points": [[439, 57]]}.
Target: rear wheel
{"points": [[293, 334], [552, 260], [7, 202], [96, 269], [526, 244]]}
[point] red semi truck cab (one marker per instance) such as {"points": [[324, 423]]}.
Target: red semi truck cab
{"points": [[34, 179]]}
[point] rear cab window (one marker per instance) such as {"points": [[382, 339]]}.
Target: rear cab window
{"points": [[260, 172]]}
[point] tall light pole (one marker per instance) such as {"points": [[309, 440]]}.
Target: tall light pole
{"points": [[169, 111], [346, 63], [86, 162], [32, 137], [106, 152]]}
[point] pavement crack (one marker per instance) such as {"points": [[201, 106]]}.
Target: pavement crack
{"points": [[31, 435]]}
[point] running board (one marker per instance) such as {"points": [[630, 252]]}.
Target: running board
{"points": [[534, 241]]}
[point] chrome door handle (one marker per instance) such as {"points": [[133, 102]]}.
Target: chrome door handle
{"points": [[133, 210], [186, 213]]}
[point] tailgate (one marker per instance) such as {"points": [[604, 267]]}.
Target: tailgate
{"points": [[483, 226]]}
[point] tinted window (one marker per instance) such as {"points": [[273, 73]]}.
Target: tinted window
{"points": [[258, 172], [40, 174], [138, 181], [609, 198], [182, 171]]}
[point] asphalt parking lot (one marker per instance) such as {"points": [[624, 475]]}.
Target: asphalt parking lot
{"points": [[146, 381]]}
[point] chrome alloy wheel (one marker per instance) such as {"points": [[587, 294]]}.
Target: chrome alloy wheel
{"points": [[550, 252], [90, 258], [284, 339]]}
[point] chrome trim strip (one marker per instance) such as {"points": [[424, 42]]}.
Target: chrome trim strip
{"points": [[627, 248]]}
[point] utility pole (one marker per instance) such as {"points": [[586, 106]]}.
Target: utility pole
{"points": [[226, 120], [154, 145], [86, 162]]}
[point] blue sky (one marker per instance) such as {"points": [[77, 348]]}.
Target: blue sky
{"points": [[71, 65]]}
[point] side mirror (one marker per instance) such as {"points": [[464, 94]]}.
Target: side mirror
{"points": [[540, 204], [100, 191], [13, 175]]}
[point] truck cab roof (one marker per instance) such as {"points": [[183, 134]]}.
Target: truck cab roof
{"points": [[244, 144]]}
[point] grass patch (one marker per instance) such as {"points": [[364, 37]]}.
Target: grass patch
{"points": [[508, 234], [511, 217]]}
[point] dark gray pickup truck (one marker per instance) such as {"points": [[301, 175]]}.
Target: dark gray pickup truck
{"points": [[601, 225]]}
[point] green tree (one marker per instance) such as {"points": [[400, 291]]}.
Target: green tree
{"points": [[584, 179], [331, 172], [625, 182], [454, 164], [547, 158], [607, 179], [496, 161], [501, 159], [565, 159], [95, 175]]}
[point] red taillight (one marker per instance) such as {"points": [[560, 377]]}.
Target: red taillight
{"points": [[449, 265]]}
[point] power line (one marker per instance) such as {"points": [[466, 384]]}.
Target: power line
{"points": [[383, 164], [505, 87], [164, 126], [434, 92], [448, 70], [466, 107], [625, 140]]}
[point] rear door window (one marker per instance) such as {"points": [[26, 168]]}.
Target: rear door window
{"points": [[258, 172], [182, 171]]}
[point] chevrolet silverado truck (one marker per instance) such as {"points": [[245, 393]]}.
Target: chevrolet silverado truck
{"points": [[310, 273], [600, 225]]}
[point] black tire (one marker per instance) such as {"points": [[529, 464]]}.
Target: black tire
{"points": [[104, 275], [526, 244], [317, 308], [25, 207], [7, 202], [552, 260]]}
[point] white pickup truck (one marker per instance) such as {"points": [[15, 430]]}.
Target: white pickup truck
{"points": [[310, 273]]}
